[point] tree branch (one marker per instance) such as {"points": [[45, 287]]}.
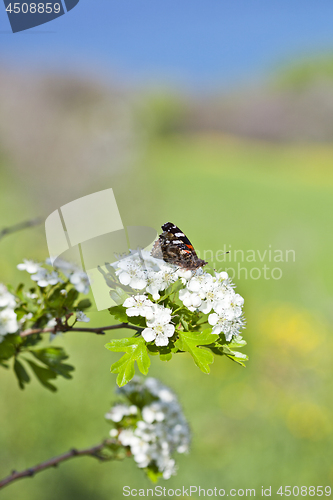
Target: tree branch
{"points": [[20, 226], [63, 328], [94, 451]]}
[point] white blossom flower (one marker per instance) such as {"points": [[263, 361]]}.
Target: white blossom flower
{"points": [[221, 324], [74, 273], [190, 300], [127, 437], [65, 267], [131, 272], [80, 281], [159, 333], [153, 413], [30, 266], [159, 315], [162, 430], [230, 305], [138, 305], [80, 316], [160, 280], [119, 411], [45, 278], [159, 328], [7, 299], [8, 322]]}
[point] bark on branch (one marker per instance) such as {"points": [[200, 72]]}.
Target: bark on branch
{"points": [[94, 451], [63, 328], [20, 226]]}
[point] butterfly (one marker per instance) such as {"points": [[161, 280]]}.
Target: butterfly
{"points": [[175, 248]]}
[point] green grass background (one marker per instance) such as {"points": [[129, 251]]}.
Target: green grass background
{"points": [[267, 425]]}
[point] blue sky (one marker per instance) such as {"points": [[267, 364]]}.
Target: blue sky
{"points": [[199, 44]]}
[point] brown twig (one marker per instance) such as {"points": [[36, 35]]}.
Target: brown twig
{"points": [[94, 451], [63, 328], [20, 226]]}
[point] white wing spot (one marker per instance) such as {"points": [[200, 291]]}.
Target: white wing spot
{"points": [[179, 234]]}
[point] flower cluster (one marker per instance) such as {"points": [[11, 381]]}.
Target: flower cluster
{"points": [[52, 303], [158, 319], [45, 277], [26, 309], [151, 424], [208, 293], [141, 271], [8, 317], [198, 291]]}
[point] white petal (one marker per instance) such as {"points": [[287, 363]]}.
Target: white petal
{"points": [[238, 300], [169, 330], [222, 276], [161, 340], [124, 278], [133, 311], [217, 330], [206, 307], [148, 334], [196, 300], [137, 283], [129, 302], [213, 319], [194, 285]]}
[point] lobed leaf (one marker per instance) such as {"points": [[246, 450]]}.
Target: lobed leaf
{"points": [[136, 350], [191, 342], [119, 313]]}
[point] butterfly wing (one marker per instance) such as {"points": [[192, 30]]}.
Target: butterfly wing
{"points": [[175, 248]]}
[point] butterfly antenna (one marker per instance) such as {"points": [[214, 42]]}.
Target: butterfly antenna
{"points": [[214, 268]]}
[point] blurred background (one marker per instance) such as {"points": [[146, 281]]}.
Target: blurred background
{"points": [[218, 117]]}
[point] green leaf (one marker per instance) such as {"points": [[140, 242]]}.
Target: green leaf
{"points": [[237, 342], [184, 323], [83, 304], [165, 352], [175, 287], [137, 321], [119, 313], [222, 349], [166, 357], [21, 373], [53, 358], [153, 474], [19, 291], [189, 342], [20, 312], [43, 375], [7, 347], [71, 298], [136, 350], [238, 357], [225, 350]]}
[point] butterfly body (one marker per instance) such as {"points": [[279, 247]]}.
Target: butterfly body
{"points": [[175, 248]]}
